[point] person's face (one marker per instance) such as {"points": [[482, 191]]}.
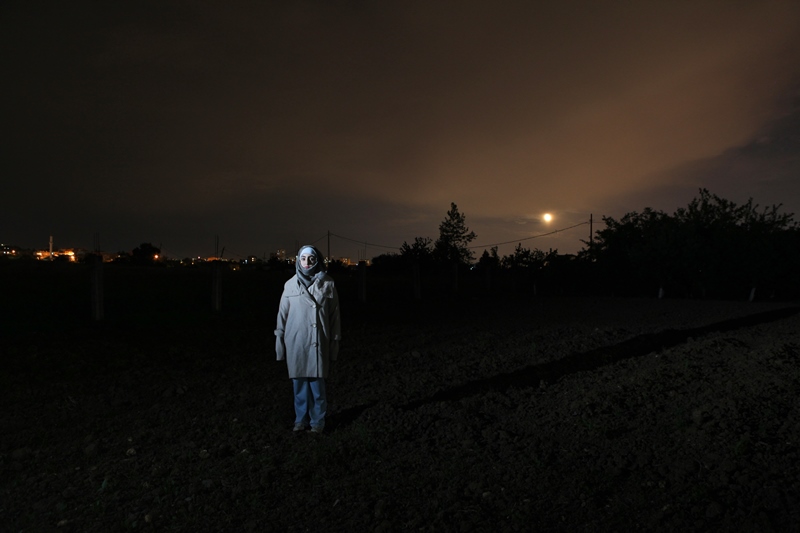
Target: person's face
{"points": [[308, 260]]}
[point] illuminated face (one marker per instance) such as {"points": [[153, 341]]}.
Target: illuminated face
{"points": [[308, 260]]}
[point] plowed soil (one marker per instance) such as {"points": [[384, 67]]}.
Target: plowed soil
{"points": [[562, 414]]}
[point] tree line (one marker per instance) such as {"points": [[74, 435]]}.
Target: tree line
{"points": [[712, 248]]}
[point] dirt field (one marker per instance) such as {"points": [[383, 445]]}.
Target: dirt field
{"points": [[522, 415]]}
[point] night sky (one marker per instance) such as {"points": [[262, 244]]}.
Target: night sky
{"points": [[269, 124]]}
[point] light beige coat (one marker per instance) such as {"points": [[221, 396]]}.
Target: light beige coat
{"points": [[308, 329]]}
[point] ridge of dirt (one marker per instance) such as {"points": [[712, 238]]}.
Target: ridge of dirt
{"points": [[552, 371]]}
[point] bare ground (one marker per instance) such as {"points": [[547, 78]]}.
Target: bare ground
{"points": [[547, 415]]}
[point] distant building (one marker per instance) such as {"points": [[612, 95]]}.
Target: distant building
{"points": [[280, 256], [349, 262], [60, 254], [9, 251]]}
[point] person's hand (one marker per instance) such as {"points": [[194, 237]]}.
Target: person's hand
{"points": [[280, 348]]}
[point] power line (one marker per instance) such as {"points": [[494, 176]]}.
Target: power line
{"points": [[231, 252], [315, 242], [366, 243], [527, 238], [468, 247]]}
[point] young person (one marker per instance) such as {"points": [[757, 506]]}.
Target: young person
{"points": [[307, 336]]}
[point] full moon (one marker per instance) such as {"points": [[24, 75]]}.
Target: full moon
{"points": [[548, 217]]}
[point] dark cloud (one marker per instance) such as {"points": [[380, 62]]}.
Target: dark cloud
{"points": [[191, 119]]}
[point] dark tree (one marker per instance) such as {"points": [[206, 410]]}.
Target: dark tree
{"points": [[122, 257], [452, 246], [711, 247], [389, 263], [641, 250], [145, 254], [734, 245], [420, 251], [489, 259], [524, 266], [524, 258]]}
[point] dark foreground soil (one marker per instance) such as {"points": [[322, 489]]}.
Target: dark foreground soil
{"points": [[544, 415]]}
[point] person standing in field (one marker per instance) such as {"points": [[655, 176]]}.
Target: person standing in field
{"points": [[307, 336]]}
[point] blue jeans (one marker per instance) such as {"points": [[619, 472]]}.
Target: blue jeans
{"points": [[309, 401]]}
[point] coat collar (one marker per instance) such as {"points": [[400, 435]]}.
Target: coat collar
{"points": [[320, 288]]}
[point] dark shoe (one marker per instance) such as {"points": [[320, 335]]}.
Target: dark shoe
{"points": [[299, 427]]}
